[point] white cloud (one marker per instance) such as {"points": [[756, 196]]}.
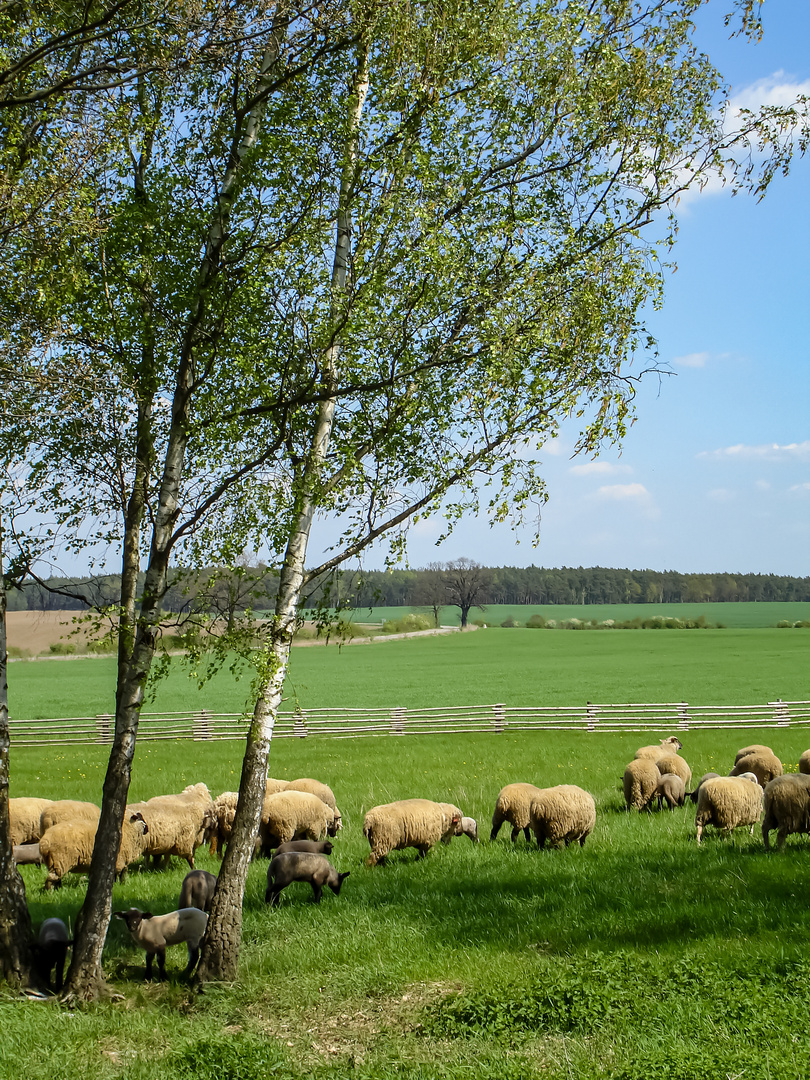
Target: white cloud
{"points": [[594, 468], [766, 452], [721, 495], [694, 360], [621, 492], [776, 90], [802, 489], [762, 485]]}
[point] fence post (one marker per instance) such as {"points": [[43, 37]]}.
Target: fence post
{"points": [[499, 718], [592, 716], [201, 726], [300, 725], [104, 732], [683, 716], [781, 713], [398, 716]]}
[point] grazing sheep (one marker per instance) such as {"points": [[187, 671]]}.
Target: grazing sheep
{"points": [[24, 820], [67, 810], [512, 805], [639, 782], [670, 788], [316, 847], [49, 952], [787, 808], [755, 748], [673, 763], [224, 813], [197, 890], [68, 847], [804, 762], [178, 824], [667, 746], [562, 814], [764, 765], [417, 823], [693, 795], [155, 932], [469, 826], [323, 791], [728, 802], [294, 815], [302, 866], [27, 854]]}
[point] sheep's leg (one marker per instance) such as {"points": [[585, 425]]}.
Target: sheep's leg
{"points": [[781, 836], [527, 832], [318, 891], [699, 833], [582, 840], [193, 957], [149, 957], [497, 821], [161, 958]]}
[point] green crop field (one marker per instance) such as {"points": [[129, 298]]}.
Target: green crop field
{"points": [[738, 615], [637, 956], [517, 667]]}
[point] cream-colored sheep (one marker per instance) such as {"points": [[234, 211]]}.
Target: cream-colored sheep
{"points": [[294, 815], [727, 803], [513, 805], [562, 814], [224, 813], [670, 745], [323, 791], [755, 748], [764, 765], [787, 808], [68, 847], [673, 763], [417, 823], [639, 782], [272, 785], [804, 762], [67, 810], [24, 819], [178, 824]]}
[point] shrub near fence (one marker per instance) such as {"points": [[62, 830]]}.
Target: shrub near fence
{"points": [[364, 723]]}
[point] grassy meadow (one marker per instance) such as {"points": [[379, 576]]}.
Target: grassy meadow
{"points": [[637, 956]]}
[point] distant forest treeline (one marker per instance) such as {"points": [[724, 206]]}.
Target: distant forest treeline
{"points": [[227, 592]]}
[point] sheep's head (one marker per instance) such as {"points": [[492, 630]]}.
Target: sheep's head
{"points": [[133, 918], [138, 818]]}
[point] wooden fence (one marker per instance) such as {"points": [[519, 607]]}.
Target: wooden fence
{"points": [[664, 719]]}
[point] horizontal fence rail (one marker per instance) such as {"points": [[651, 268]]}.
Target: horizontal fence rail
{"points": [[667, 718]]}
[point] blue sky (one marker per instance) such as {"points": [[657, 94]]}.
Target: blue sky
{"points": [[715, 473]]}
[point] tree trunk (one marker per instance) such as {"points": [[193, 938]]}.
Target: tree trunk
{"points": [[15, 921], [219, 957]]}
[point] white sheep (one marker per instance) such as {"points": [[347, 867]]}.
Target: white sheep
{"points": [[417, 823], [67, 810], [68, 847], [155, 932], [562, 814], [469, 827], [224, 813], [294, 815], [512, 805], [755, 748], [675, 764], [323, 791], [639, 782], [764, 764], [24, 819], [787, 808], [178, 824], [804, 762], [670, 745], [728, 802]]}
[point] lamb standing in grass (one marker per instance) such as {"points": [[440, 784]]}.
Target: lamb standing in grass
{"points": [[306, 866], [68, 847], [787, 808], [671, 788], [639, 782], [512, 805], [562, 814], [197, 890], [155, 932], [727, 803], [49, 952], [417, 823]]}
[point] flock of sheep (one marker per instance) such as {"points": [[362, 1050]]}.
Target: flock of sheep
{"points": [[298, 816]]}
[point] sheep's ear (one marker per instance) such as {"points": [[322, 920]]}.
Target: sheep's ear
{"points": [[147, 915], [120, 914]]}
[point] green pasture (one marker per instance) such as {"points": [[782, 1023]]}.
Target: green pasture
{"points": [[741, 615], [517, 667], [637, 956]]}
